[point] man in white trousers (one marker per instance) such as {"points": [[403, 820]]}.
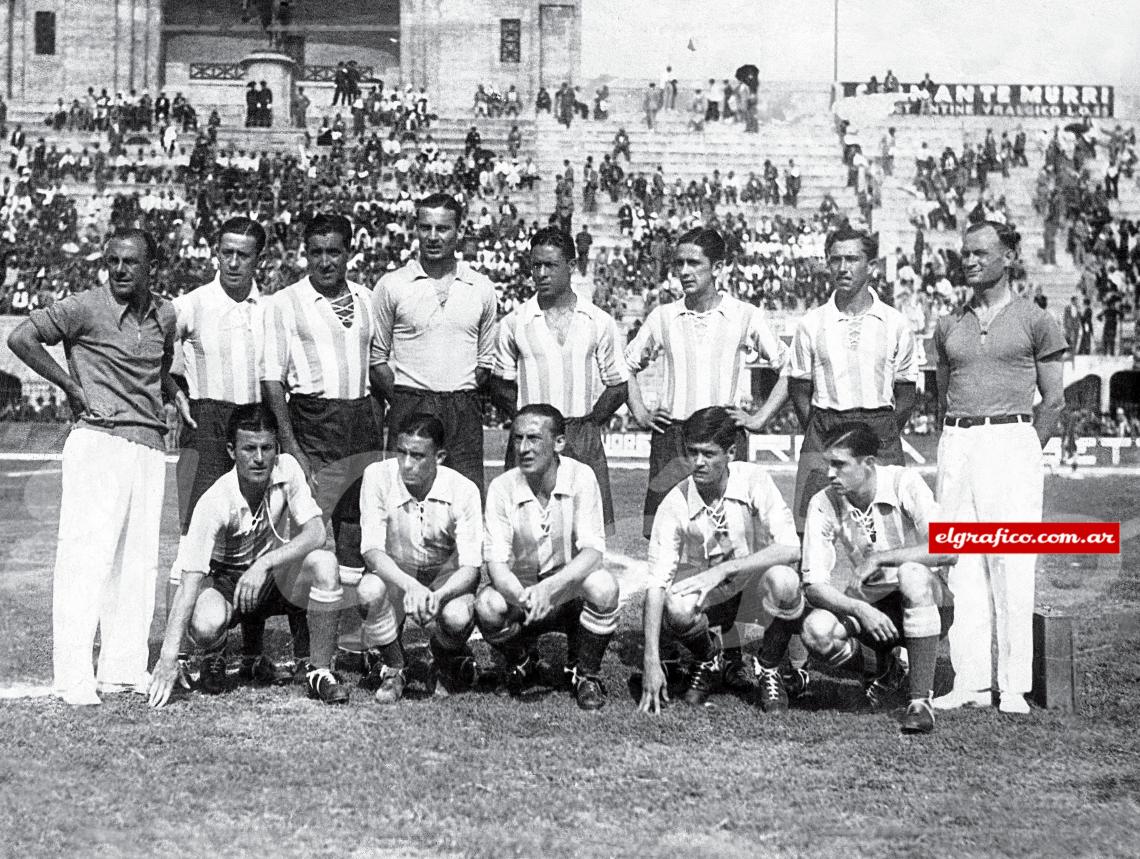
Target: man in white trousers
{"points": [[994, 354], [120, 343]]}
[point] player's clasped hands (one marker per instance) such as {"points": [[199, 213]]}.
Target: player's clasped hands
{"points": [[536, 600], [421, 602], [746, 420]]}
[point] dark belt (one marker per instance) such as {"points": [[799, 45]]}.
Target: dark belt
{"points": [[424, 392], [977, 421]]}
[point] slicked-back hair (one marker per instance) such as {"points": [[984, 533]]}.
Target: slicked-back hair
{"points": [[708, 240], [244, 227], [854, 436], [440, 200], [423, 425], [329, 223], [1007, 235], [552, 237], [122, 234], [711, 425], [545, 410], [868, 241], [251, 417]]}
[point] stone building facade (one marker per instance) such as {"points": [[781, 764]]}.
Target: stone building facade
{"points": [[57, 48]]}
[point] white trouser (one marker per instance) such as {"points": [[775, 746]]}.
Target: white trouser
{"points": [[112, 495], [988, 474]]}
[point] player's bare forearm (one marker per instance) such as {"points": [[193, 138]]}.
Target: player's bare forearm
{"points": [[757, 562], [800, 391], [275, 398], [776, 400], [180, 613], [25, 343], [310, 538], [506, 583], [1050, 382], [482, 377], [462, 581], [376, 382], [610, 400], [388, 571], [504, 395], [384, 380], [636, 400], [942, 377], [830, 598], [916, 554], [905, 395], [571, 576], [651, 624]]}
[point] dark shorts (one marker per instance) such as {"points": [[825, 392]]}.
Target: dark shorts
{"points": [[273, 602], [563, 618], [341, 438], [668, 466], [203, 457], [583, 443], [811, 473], [892, 606], [462, 416]]}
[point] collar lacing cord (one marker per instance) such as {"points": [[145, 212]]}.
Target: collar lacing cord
{"points": [[865, 519]]}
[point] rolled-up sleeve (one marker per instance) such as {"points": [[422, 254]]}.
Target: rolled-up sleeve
{"points": [[276, 323], [819, 541], [373, 511], [485, 357], [589, 525], [469, 526], [498, 534], [506, 350], [610, 369], [646, 345], [63, 320], [666, 540]]}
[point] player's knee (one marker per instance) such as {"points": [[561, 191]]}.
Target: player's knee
{"points": [[322, 570], [821, 632], [210, 618], [371, 589], [490, 608], [916, 584], [781, 586], [601, 590], [458, 615], [680, 613]]}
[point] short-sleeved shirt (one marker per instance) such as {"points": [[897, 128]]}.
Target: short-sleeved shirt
{"points": [[704, 353], [223, 343], [566, 376], [429, 345], [310, 351], [996, 374], [226, 531], [422, 537], [901, 513], [535, 540], [116, 358], [853, 360], [689, 535]]}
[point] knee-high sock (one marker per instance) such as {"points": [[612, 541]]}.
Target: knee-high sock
{"points": [[323, 623], [299, 631], [252, 636], [785, 623], [699, 641], [595, 629], [921, 626], [381, 632]]}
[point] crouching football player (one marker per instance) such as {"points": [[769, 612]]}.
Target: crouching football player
{"points": [[722, 536], [878, 515], [239, 561], [422, 541], [545, 540]]}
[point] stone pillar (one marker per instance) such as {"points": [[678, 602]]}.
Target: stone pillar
{"points": [[277, 71]]}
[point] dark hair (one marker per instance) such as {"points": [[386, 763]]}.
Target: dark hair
{"points": [[244, 227], [440, 200], [545, 410], [869, 242], [423, 425], [854, 436], [329, 223], [552, 237], [708, 240], [252, 417], [124, 234], [710, 425], [1007, 235]]}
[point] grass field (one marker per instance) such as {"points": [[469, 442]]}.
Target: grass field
{"points": [[262, 770]]}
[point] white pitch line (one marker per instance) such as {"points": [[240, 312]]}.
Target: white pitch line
{"points": [[33, 472], [13, 693]]}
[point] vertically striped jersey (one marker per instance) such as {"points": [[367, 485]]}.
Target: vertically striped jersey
{"points": [[853, 361], [704, 353], [308, 348], [569, 376], [223, 343]]}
